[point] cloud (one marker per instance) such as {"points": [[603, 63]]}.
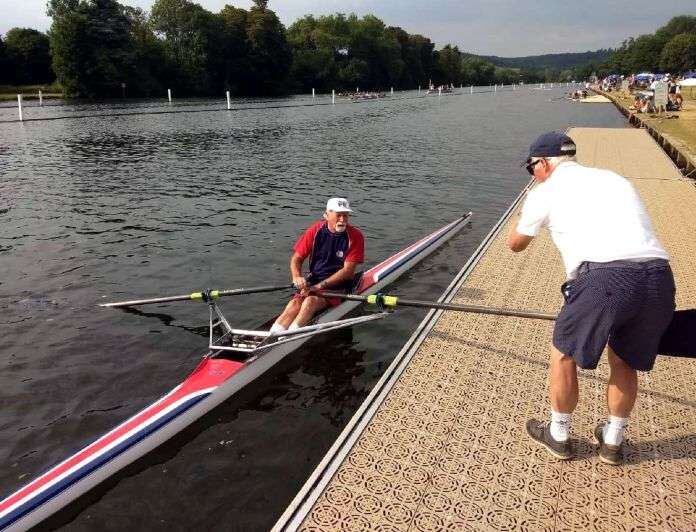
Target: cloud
{"points": [[491, 27]]}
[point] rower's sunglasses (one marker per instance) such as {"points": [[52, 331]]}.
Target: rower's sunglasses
{"points": [[529, 165]]}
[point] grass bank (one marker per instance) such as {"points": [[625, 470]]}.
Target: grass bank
{"points": [[30, 92], [678, 128]]}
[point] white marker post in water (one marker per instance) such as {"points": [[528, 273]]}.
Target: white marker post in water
{"points": [[229, 102], [313, 93], [40, 98], [439, 92], [169, 95], [471, 90], [19, 107], [392, 91], [333, 96], [418, 90]]}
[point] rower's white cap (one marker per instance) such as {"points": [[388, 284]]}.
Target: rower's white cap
{"points": [[338, 205]]}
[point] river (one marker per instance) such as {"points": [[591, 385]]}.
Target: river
{"points": [[146, 200]]}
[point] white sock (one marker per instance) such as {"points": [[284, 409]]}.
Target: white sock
{"points": [[277, 328], [294, 325], [613, 431], [560, 426]]}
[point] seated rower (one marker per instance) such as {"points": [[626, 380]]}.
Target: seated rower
{"points": [[335, 248]]}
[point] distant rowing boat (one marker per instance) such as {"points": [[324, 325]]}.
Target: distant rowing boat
{"points": [[234, 360]]}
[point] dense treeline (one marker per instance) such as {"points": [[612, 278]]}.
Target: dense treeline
{"points": [[101, 48], [559, 61], [672, 48]]}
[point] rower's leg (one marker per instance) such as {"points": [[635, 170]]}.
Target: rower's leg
{"points": [[310, 306], [289, 314]]}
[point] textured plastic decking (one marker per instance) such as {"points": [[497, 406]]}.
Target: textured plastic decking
{"points": [[447, 449]]}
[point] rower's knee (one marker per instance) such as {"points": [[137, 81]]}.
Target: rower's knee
{"points": [[313, 304], [292, 308]]}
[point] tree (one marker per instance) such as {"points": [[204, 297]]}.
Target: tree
{"points": [[676, 26], [192, 43], [679, 54], [235, 49], [449, 62], [92, 47], [477, 71], [270, 55], [153, 71], [29, 54], [5, 66]]}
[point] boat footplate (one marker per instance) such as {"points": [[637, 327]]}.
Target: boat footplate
{"points": [[253, 341]]}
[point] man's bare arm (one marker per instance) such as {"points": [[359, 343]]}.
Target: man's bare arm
{"points": [[343, 275], [296, 271]]}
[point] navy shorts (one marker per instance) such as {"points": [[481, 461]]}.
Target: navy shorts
{"points": [[627, 305]]}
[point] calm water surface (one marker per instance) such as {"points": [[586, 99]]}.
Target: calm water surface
{"points": [[115, 207]]}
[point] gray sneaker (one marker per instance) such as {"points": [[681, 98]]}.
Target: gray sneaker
{"points": [[609, 454], [540, 433]]}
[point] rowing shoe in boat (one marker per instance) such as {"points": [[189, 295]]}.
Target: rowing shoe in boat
{"points": [[234, 359]]}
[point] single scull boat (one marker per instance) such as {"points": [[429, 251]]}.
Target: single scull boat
{"points": [[241, 357]]}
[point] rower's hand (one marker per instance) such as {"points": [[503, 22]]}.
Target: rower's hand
{"points": [[300, 283]]}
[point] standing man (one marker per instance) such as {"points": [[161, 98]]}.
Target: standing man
{"points": [[619, 292], [334, 248]]}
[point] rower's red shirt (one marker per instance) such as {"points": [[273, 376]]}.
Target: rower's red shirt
{"points": [[329, 251]]}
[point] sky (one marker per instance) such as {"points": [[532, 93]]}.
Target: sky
{"points": [[508, 28]]}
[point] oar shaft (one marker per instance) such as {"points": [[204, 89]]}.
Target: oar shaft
{"points": [[198, 296], [393, 301], [136, 302]]}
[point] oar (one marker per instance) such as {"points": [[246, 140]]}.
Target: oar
{"points": [[198, 296], [393, 301], [679, 340]]}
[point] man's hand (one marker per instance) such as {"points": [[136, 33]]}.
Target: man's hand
{"points": [[517, 241], [300, 283]]}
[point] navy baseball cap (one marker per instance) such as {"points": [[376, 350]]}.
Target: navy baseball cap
{"points": [[552, 144]]}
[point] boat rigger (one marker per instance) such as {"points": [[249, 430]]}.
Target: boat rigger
{"points": [[236, 357]]}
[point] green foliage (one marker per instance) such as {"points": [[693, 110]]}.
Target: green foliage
{"points": [[91, 46], [99, 45], [5, 65], [676, 26], [344, 52], [28, 56], [679, 54], [651, 52], [235, 49], [449, 65], [559, 62], [269, 54], [191, 44]]}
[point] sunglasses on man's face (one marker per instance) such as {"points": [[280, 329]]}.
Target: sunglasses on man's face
{"points": [[529, 165]]}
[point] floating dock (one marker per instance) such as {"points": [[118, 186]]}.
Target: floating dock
{"points": [[440, 442]]}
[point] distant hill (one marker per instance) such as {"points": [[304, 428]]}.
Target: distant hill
{"points": [[555, 61]]}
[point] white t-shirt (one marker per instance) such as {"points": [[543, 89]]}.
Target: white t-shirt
{"points": [[593, 215]]}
